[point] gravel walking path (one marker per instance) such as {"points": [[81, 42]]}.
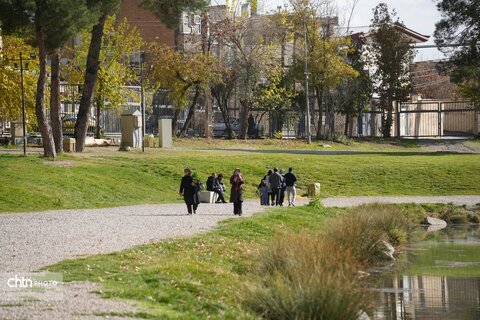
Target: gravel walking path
{"points": [[29, 241], [469, 201]]}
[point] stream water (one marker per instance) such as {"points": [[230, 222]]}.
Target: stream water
{"points": [[438, 278]]}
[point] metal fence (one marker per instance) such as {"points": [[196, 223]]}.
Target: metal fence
{"points": [[413, 119], [437, 119]]}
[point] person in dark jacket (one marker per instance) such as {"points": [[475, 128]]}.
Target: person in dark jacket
{"points": [[290, 180], [283, 188], [220, 189], [276, 181], [188, 188], [236, 194], [211, 182], [267, 182]]}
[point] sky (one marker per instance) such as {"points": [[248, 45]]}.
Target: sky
{"points": [[418, 15]]}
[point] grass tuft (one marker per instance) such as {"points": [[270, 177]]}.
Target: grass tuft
{"points": [[312, 276]]}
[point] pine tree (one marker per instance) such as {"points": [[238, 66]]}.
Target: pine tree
{"points": [[458, 34], [390, 55]]}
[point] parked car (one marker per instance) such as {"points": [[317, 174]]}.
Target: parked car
{"points": [[68, 123], [220, 128]]}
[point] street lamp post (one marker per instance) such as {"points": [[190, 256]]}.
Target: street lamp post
{"points": [[22, 68]]}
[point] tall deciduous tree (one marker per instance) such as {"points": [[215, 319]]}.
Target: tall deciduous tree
{"points": [[390, 56], [353, 95], [460, 29], [54, 22], [327, 51], [276, 96], [55, 110], [101, 8], [10, 82], [182, 74], [121, 41], [250, 56]]}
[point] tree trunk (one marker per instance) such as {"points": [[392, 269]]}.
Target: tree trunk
{"points": [[98, 108], [388, 125], [176, 113], [280, 121], [244, 116], [222, 96], [55, 111], [45, 129], [347, 124], [319, 95], [388, 120], [81, 125], [350, 126], [191, 111], [208, 114]]}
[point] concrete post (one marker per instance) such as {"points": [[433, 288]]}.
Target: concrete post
{"points": [[165, 133], [131, 126]]}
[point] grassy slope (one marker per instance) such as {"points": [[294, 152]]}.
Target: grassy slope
{"points": [[110, 178]]}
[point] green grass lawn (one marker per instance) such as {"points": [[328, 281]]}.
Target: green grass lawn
{"points": [[105, 177]]}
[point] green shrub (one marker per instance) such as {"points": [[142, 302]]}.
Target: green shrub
{"points": [[278, 135], [316, 202]]}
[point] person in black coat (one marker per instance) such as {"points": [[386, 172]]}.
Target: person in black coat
{"points": [[188, 187], [236, 193]]}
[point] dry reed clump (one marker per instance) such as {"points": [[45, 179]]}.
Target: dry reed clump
{"points": [[361, 231], [305, 276]]}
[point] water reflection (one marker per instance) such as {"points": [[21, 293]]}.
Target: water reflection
{"points": [[429, 297], [441, 280]]}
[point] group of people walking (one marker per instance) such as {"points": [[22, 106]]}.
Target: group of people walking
{"points": [[190, 187], [272, 189], [274, 185]]}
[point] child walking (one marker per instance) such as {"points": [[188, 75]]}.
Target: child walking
{"points": [[263, 191]]}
